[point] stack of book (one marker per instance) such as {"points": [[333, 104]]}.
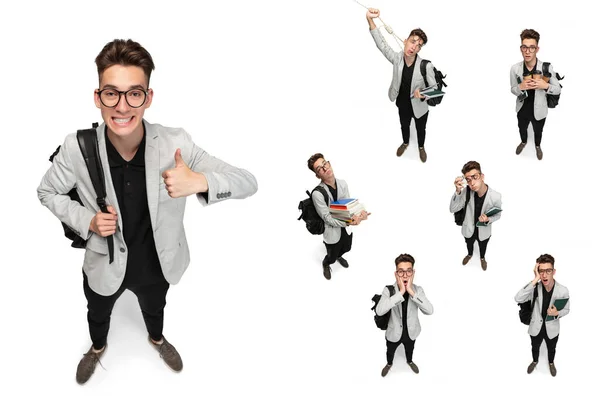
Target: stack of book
{"points": [[430, 92], [344, 209]]}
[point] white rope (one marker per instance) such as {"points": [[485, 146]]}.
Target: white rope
{"points": [[386, 26]]}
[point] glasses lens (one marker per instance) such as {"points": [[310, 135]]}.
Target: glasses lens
{"points": [[109, 97], [135, 98]]}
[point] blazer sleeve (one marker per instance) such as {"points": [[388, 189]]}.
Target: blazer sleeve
{"points": [[422, 302], [514, 84], [224, 180], [382, 45], [566, 309], [554, 86], [496, 202], [525, 294], [53, 189], [457, 202], [323, 211], [386, 303]]}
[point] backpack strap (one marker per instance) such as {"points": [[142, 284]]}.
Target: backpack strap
{"points": [[391, 290], [468, 195], [546, 70], [424, 70], [322, 190], [88, 144]]}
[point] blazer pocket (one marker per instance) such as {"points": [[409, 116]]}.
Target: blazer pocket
{"points": [[97, 244]]}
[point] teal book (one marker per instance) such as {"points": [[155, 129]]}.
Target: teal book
{"points": [[559, 304]]}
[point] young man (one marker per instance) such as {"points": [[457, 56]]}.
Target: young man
{"points": [[336, 238], [532, 105], [149, 172], [406, 82], [545, 324], [407, 300], [482, 199]]}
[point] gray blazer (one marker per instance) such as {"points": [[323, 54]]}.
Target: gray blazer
{"points": [[166, 214], [492, 199], [552, 327], [333, 227], [394, 303], [540, 104], [419, 106]]}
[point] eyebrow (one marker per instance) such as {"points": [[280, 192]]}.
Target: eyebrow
{"points": [[130, 87]]}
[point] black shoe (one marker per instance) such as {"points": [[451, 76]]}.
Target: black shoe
{"points": [[414, 367], [343, 262], [326, 270], [520, 148], [386, 369], [531, 367], [552, 369]]}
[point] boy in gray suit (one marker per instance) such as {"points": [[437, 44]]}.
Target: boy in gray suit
{"points": [[545, 323], [481, 200], [336, 238], [405, 303], [149, 172], [406, 82], [531, 87]]}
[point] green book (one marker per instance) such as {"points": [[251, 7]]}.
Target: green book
{"points": [[489, 213], [559, 304]]}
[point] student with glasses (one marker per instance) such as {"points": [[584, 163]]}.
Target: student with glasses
{"points": [[405, 302], [149, 171], [530, 87], [336, 238], [545, 323], [476, 224]]}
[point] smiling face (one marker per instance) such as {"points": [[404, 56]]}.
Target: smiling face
{"points": [[404, 270], [546, 271], [124, 120]]}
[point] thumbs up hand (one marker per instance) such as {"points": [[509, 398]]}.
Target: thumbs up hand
{"points": [[181, 181]]}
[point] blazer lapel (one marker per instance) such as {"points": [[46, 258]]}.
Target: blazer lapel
{"points": [[152, 170]]}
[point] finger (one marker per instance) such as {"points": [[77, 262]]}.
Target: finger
{"points": [[178, 160], [166, 174], [111, 210]]}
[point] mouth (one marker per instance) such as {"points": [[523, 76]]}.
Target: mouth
{"points": [[545, 281], [122, 122], [406, 281]]}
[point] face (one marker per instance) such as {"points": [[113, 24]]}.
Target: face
{"points": [[529, 49], [546, 271], [123, 119], [474, 179], [412, 46], [404, 271], [323, 169]]}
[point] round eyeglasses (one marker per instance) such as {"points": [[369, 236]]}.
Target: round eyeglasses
{"points": [[135, 98]]}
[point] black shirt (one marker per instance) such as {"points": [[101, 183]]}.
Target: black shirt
{"points": [[546, 301], [404, 311], [478, 204], [528, 102], [333, 191], [403, 98], [129, 181]]}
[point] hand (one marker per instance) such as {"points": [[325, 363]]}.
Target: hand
{"points": [[526, 85], [372, 13], [537, 274], [540, 84], [104, 224], [484, 218], [400, 283], [409, 286], [417, 94], [364, 215], [552, 311], [181, 181], [458, 183]]}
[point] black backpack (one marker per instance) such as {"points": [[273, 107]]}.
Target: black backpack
{"points": [[439, 78], [526, 308], [382, 320], [459, 216], [88, 144], [314, 223], [551, 99]]}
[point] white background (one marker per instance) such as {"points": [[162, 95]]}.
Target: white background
{"points": [[263, 85]]}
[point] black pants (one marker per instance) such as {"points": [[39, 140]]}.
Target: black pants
{"points": [[525, 116], [482, 243], [409, 346], [336, 250], [536, 342], [406, 115], [152, 300]]}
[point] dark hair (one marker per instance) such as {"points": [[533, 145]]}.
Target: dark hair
{"points": [[405, 258], [419, 32], [313, 159], [545, 259], [126, 53], [530, 34], [471, 165]]}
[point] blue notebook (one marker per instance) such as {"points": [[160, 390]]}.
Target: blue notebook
{"points": [[342, 202]]}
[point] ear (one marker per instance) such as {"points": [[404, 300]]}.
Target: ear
{"points": [[97, 99], [149, 97]]}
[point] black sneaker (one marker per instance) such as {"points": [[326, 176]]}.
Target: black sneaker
{"points": [[386, 369], [343, 262], [87, 365], [326, 270], [531, 367]]}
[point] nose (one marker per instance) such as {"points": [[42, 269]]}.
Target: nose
{"points": [[122, 105]]}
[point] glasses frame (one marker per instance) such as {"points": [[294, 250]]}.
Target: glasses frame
{"points": [[124, 94], [545, 271], [528, 49], [473, 178], [325, 164], [408, 272]]}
